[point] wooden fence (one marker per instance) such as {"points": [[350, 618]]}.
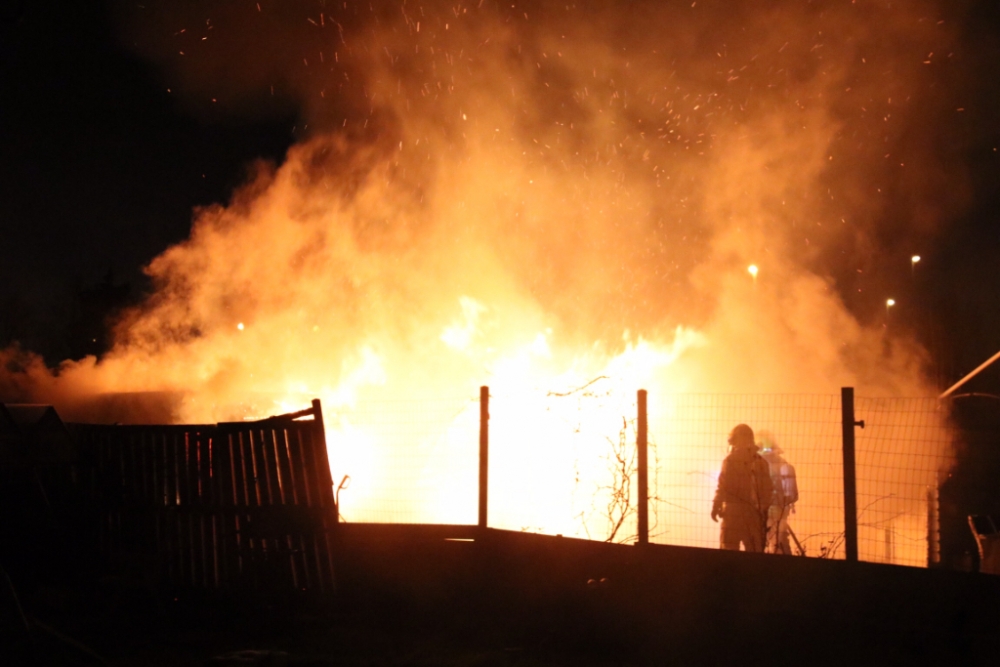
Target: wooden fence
{"points": [[245, 506]]}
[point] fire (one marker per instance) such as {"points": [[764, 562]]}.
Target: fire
{"points": [[551, 417], [561, 206]]}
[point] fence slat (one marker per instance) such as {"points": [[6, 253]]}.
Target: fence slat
{"points": [[212, 506], [302, 469]]}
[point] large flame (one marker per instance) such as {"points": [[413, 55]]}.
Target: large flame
{"points": [[560, 203]]}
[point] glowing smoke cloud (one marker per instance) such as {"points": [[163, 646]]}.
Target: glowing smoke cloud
{"points": [[483, 183], [586, 170]]}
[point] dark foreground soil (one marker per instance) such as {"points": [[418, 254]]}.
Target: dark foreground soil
{"points": [[274, 638], [514, 599], [253, 635]]}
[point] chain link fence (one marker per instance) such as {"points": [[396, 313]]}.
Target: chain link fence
{"points": [[566, 463]]}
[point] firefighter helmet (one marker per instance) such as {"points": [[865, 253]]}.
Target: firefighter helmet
{"points": [[741, 436], [767, 442]]}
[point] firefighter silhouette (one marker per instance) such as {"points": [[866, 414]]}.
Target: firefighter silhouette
{"points": [[783, 497], [743, 496]]}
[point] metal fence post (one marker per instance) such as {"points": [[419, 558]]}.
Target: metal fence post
{"points": [[933, 525], [484, 452], [641, 444], [850, 484]]}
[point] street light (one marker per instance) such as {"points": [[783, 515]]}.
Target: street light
{"points": [[753, 272], [889, 303], [913, 264]]}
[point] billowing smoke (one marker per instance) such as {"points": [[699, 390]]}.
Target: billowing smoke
{"points": [[539, 196], [594, 173]]}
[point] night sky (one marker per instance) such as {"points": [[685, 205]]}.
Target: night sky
{"points": [[101, 168]]}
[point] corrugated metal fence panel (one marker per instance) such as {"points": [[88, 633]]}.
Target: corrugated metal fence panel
{"points": [[237, 505]]}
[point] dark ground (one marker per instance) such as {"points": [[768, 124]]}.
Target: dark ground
{"points": [[407, 598]]}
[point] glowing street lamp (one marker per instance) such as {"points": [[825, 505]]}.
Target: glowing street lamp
{"points": [[753, 272], [889, 303], [913, 264]]}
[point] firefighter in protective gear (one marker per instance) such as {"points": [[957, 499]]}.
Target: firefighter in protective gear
{"points": [[744, 494], [784, 496]]}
